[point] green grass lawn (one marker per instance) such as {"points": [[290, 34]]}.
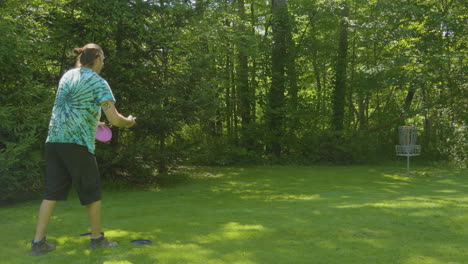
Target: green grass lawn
{"points": [[342, 215]]}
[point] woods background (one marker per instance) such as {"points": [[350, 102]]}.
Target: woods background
{"points": [[239, 82]]}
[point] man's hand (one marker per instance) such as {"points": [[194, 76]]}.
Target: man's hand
{"points": [[131, 121]]}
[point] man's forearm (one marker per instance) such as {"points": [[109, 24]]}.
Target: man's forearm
{"points": [[122, 121], [114, 117]]}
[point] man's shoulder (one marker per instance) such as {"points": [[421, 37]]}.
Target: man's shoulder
{"points": [[72, 71], [70, 74], [89, 73]]}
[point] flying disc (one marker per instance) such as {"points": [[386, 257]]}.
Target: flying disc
{"points": [[141, 242], [103, 133]]}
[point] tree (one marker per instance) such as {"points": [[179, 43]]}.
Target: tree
{"points": [[276, 99], [339, 92], [242, 78]]}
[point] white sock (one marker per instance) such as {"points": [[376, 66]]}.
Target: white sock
{"points": [[36, 241], [97, 237]]}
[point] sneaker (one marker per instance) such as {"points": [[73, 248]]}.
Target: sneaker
{"points": [[41, 247], [101, 242]]}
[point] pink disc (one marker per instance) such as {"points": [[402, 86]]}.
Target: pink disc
{"points": [[103, 133]]}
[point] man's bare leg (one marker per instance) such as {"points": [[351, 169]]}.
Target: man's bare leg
{"points": [[45, 212], [94, 213], [97, 238]]}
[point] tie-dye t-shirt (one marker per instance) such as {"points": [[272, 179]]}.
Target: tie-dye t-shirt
{"points": [[77, 107]]}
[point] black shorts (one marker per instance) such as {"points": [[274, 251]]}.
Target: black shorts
{"points": [[68, 164]]}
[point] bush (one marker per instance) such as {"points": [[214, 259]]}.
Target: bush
{"points": [[22, 135], [218, 152], [329, 147], [24, 113]]}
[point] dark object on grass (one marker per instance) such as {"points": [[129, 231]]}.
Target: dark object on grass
{"points": [[89, 234], [141, 242]]}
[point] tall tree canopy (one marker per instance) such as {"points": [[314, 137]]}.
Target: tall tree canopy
{"points": [[222, 82]]}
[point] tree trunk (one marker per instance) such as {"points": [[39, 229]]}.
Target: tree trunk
{"points": [[339, 93], [227, 97], [242, 79], [275, 111], [315, 66], [254, 82], [293, 88]]}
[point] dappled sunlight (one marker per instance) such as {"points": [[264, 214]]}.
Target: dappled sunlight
{"points": [[197, 254], [247, 190], [56, 218], [282, 197], [130, 235], [209, 175], [72, 252], [181, 246], [462, 201], [376, 243], [446, 191], [119, 233], [70, 245], [451, 182], [426, 213], [425, 259], [406, 202], [236, 226], [294, 197], [392, 205], [212, 172], [155, 188], [231, 231], [263, 191], [396, 184], [65, 239], [328, 244], [398, 177], [428, 201], [182, 253]]}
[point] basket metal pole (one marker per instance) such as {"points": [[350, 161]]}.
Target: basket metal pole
{"points": [[407, 165]]}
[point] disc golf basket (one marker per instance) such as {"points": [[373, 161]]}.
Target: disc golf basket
{"points": [[408, 147]]}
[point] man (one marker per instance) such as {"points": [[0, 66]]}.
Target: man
{"points": [[70, 144]]}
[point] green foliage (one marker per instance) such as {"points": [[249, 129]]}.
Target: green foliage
{"points": [[213, 82], [218, 152], [22, 134], [25, 104]]}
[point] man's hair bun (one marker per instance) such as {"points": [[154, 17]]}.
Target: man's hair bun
{"points": [[77, 51], [86, 55]]}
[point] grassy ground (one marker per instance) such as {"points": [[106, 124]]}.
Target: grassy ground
{"points": [[264, 215]]}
